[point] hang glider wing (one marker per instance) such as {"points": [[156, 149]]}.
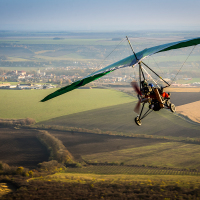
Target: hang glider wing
{"points": [[126, 62]]}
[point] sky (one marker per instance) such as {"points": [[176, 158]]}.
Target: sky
{"points": [[99, 15]]}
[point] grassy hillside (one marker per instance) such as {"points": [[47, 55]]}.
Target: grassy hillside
{"points": [[26, 103], [102, 148], [120, 118], [170, 154], [176, 152]]}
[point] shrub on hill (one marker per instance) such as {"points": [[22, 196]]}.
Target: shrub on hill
{"points": [[52, 166], [13, 170], [57, 150], [17, 122]]}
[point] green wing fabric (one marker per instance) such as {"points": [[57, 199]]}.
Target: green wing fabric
{"points": [[166, 47], [74, 86], [126, 62]]}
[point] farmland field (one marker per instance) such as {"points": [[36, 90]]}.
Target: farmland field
{"points": [[41, 48], [24, 103], [120, 118], [127, 159], [131, 170], [82, 144], [20, 147], [101, 148], [63, 41], [91, 109], [171, 154]]}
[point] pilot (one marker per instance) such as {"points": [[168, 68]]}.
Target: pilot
{"points": [[151, 85], [162, 93]]}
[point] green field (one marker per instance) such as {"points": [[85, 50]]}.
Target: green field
{"points": [[110, 110], [120, 118], [22, 68], [20, 82], [188, 81], [16, 104], [169, 154], [110, 149], [181, 149], [71, 56]]}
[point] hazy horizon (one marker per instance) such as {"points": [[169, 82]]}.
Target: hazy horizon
{"points": [[88, 15]]}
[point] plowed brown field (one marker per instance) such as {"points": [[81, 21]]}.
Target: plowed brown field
{"points": [[80, 144], [20, 147]]}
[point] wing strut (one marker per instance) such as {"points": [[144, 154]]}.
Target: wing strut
{"points": [[144, 65], [131, 48]]}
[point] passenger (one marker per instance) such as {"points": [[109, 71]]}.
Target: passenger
{"points": [[164, 94]]}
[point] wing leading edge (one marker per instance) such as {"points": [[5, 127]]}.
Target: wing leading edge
{"points": [[126, 62]]}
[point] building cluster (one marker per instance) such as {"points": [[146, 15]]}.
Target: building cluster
{"points": [[23, 76], [27, 86], [48, 79], [37, 77], [195, 84]]}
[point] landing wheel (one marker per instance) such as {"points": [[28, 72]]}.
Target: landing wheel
{"points": [[172, 107], [167, 103], [138, 121]]}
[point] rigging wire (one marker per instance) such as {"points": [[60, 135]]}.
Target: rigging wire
{"points": [[183, 64], [158, 66], [109, 54], [154, 60], [131, 53], [151, 77], [129, 50]]}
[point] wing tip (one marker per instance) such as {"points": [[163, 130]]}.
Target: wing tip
{"points": [[45, 99]]}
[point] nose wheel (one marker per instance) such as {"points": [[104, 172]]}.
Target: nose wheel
{"points": [[138, 121]]}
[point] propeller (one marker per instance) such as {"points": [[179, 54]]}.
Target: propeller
{"points": [[137, 107], [137, 90], [136, 87]]}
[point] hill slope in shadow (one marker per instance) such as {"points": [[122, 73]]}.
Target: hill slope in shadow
{"points": [[120, 118]]}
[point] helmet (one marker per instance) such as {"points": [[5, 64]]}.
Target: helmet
{"points": [[150, 84]]}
